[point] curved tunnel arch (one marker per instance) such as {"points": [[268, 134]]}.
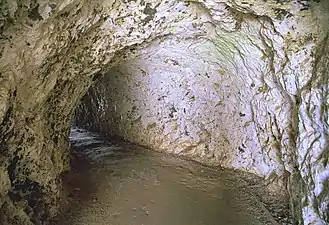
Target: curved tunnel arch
{"points": [[45, 74]]}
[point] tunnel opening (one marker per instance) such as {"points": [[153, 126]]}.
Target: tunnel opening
{"points": [[232, 84], [166, 99]]}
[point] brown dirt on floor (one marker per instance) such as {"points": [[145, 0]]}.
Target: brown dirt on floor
{"points": [[129, 185]]}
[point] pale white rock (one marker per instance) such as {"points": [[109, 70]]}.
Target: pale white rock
{"points": [[239, 84]]}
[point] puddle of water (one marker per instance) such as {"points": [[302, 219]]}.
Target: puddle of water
{"points": [[123, 184]]}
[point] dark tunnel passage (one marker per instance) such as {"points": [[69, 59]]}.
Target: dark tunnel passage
{"points": [[114, 181], [230, 96]]}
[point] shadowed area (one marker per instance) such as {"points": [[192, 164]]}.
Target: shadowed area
{"points": [[113, 182], [234, 84]]}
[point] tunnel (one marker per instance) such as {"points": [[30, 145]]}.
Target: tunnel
{"points": [[240, 85]]}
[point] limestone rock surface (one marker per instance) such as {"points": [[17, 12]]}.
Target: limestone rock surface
{"points": [[240, 84]]}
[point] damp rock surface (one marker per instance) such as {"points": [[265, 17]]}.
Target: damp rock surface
{"points": [[260, 70], [113, 182]]}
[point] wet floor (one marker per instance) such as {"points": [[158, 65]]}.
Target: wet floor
{"points": [[123, 184]]}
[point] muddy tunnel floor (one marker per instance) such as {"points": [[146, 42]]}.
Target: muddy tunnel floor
{"points": [[118, 183]]}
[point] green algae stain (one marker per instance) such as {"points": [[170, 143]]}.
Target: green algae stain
{"points": [[263, 89], [216, 86]]}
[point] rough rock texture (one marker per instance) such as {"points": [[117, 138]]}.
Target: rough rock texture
{"points": [[227, 92], [255, 71]]}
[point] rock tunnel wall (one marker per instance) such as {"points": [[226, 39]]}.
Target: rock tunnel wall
{"points": [[199, 98], [252, 78], [229, 96]]}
